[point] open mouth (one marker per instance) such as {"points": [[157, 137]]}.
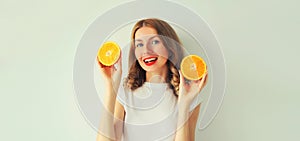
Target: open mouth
{"points": [[150, 60]]}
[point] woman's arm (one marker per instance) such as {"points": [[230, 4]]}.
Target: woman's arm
{"points": [[119, 120], [187, 93], [111, 109], [106, 129], [186, 124], [193, 122], [111, 127]]}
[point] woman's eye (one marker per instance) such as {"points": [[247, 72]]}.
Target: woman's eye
{"points": [[139, 45], [154, 42]]}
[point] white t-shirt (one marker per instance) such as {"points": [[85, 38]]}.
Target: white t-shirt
{"points": [[151, 112]]}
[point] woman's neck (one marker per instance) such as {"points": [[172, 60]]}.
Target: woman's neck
{"points": [[157, 76]]}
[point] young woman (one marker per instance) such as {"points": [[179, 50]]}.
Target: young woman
{"points": [[154, 102]]}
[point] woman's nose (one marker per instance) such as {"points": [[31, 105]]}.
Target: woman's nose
{"points": [[147, 49]]}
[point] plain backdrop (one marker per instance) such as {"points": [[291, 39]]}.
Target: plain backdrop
{"points": [[259, 39]]}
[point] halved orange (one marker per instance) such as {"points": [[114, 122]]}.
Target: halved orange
{"points": [[193, 67], [109, 53]]}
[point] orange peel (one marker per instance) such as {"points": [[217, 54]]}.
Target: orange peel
{"points": [[193, 67], [109, 53]]}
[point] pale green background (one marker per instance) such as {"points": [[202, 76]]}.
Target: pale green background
{"points": [[260, 41]]}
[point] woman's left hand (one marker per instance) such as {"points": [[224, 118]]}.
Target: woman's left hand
{"points": [[188, 91]]}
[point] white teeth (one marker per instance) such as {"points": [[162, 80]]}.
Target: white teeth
{"points": [[149, 60]]}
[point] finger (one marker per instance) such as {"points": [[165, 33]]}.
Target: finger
{"points": [[118, 64], [120, 59], [181, 79], [193, 82], [99, 63], [198, 82], [206, 78], [203, 80], [196, 85]]}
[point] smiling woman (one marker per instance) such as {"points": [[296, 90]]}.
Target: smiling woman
{"points": [[169, 111], [150, 52]]}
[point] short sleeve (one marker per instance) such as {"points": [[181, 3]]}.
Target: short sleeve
{"points": [[198, 99]]}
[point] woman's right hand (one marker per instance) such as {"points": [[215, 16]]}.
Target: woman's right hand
{"points": [[112, 74]]}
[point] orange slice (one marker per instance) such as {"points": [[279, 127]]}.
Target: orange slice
{"points": [[109, 53], [193, 67]]}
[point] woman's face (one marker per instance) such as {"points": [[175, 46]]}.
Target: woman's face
{"points": [[150, 51]]}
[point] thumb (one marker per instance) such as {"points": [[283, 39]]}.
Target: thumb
{"points": [[118, 64], [181, 79]]}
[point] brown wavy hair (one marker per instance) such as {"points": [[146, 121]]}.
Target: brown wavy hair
{"points": [[137, 75]]}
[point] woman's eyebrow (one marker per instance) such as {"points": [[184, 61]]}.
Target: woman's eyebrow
{"points": [[140, 40], [153, 37]]}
